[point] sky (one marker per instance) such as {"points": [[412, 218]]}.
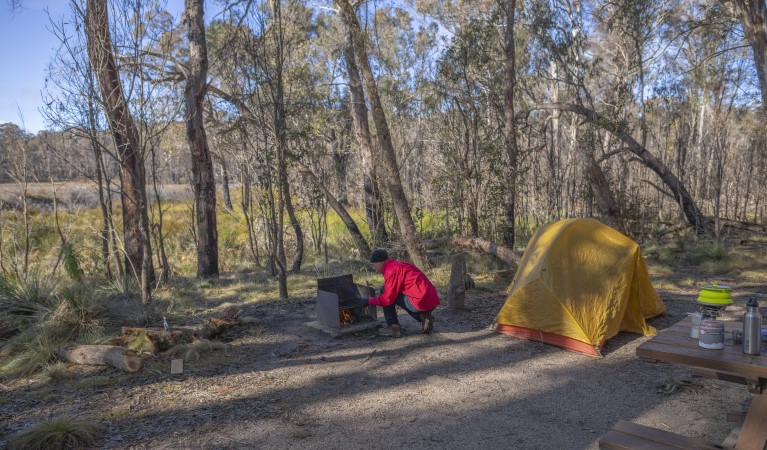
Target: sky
{"points": [[26, 48]]}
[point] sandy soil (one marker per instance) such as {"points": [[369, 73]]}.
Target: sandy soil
{"points": [[281, 386]]}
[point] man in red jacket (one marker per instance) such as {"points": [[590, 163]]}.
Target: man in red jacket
{"points": [[404, 285]]}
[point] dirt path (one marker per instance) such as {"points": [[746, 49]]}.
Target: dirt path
{"points": [[283, 387]]}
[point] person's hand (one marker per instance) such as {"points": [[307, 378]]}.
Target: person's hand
{"points": [[363, 302]]}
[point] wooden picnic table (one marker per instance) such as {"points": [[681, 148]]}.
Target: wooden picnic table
{"points": [[675, 345]]}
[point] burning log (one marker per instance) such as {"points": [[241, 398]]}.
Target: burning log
{"points": [[101, 355]]}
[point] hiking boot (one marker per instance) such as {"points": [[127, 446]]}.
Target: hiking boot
{"points": [[427, 322], [394, 331]]}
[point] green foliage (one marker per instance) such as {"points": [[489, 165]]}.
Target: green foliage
{"points": [[76, 314], [79, 316], [125, 285], [71, 262], [32, 356], [712, 255], [30, 299], [57, 433], [714, 250], [56, 371]]}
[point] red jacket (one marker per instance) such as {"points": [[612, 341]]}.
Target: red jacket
{"points": [[403, 278]]}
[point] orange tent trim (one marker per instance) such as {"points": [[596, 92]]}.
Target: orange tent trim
{"points": [[550, 338]]}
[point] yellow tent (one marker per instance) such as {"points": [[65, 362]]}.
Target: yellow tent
{"points": [[578, 284]]}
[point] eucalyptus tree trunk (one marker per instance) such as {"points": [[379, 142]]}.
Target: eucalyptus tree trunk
{"points": [[225, 185], [202, 165], [285, 201], [133, 193], [374, 206], [512, 151], [753, 18], [389, 157], [107, 229]]}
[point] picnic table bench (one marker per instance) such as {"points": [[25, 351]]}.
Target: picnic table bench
{"points": [[675, 345], [627, 436]]}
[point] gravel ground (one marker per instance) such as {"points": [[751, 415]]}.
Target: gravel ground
{"points": [[279, 385]]}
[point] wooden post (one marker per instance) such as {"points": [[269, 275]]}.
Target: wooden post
{"points": [[456, 290]]}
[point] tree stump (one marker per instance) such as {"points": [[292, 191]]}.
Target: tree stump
{"points": [[101, 355], [456, 290]]}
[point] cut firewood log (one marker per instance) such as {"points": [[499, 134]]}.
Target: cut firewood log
{"points": [[159, 340], [101, 355]]}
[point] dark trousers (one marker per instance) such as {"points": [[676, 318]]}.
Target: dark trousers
{"points": [[390, 312]]}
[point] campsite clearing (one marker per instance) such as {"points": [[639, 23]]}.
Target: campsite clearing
{"points": [[464, 386]]}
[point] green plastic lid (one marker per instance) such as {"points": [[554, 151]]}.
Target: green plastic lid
{"points": [[715, 295]]}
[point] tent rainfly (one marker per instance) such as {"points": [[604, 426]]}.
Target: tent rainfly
{"points": [[578, 284]]}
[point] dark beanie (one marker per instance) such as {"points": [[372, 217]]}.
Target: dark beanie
{"points": [[379, 255]]}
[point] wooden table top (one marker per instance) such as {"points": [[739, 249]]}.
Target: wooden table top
{"points": [[675, 345]]}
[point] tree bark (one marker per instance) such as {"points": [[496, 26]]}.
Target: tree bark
{"points": [[691, 211], [389, 157], [374, 207], [102, 355], [278, 115], [456, 291], [752, 15], [602, 193], [202, 165], [225, 185], [512, 150], [125, 134]]}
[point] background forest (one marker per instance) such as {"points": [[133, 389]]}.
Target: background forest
{"points": [[259, 137]]}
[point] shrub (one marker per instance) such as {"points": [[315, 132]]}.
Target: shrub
{"points": [[32, 356], [71, 262], [58, 433], [80, 314], [28, 300]]}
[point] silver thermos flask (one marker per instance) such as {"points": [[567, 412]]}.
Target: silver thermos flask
{"points": [[752, 329]]}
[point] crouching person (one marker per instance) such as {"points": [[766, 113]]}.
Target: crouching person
{"points": [[407, 286]]}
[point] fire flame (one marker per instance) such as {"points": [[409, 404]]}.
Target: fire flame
{"points": [[345, 317]]}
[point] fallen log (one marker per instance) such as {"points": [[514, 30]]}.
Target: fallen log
{"points": [[505, 254], [101, 355], [158, 340], [153, 340]]}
